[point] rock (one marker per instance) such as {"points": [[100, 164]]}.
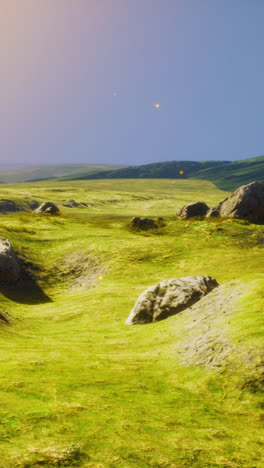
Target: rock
{"points": [[9, 266], [169, 297], [193, 209], [9, 206], [247, 202], [47, 207], [73, 204], [33, 204], [143, 223]]}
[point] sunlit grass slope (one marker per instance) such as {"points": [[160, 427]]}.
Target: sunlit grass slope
{"points": [[230, 176], [160, 170], [79, 387]]}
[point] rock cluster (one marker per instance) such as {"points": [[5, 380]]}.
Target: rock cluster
{"points": [[47, 207], [143, 223], [74, 204], [169, 297], [247, 202], [193, 209], [9, 265]]}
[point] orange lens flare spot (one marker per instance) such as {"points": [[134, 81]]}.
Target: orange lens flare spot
{"points": [[181, 172]]}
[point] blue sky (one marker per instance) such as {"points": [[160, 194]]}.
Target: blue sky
{"points": [[81, 78]]}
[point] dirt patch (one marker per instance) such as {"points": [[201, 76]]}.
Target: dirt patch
{"points": [[5, 318], [82, 269], [206, 340], [70, 456]]}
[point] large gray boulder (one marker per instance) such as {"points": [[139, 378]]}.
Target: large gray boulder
{"points": [[247, 202], [47, 207], [169, 297], [143, 223], [10, 270], [193, 209]]}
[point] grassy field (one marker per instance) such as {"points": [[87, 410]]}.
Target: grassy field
{"points": [[79, 387]]}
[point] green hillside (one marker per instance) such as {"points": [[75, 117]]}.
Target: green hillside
{"points": [[234, 174], [162, 170], [226, 175], [80, 388], [49, 171]]}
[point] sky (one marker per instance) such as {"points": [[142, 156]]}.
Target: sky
{"points": [[80, 80]]}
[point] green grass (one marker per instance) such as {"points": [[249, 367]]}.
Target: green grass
{"points": [[79, 387]]}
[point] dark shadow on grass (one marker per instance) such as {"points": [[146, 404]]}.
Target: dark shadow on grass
{"points": [[24, 291]]}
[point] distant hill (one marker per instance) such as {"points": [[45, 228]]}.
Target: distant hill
{"points": [[232, 175], [162, 170], [226, 175], [23, 174]]}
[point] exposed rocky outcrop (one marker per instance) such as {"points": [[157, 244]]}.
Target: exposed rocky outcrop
{"points": [[10, 206], [10, 270], [47, 207], [247, 202], [193, 209], [143, 223], [169, 297]]}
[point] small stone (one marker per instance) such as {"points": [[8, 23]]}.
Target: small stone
{"points": [[143, 223]]}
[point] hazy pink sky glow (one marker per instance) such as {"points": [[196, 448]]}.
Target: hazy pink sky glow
{"points": [[80, 79], [41, 46]]}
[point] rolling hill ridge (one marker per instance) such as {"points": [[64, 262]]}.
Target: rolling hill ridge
{"points": [[24, 174], [226, 175]]}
